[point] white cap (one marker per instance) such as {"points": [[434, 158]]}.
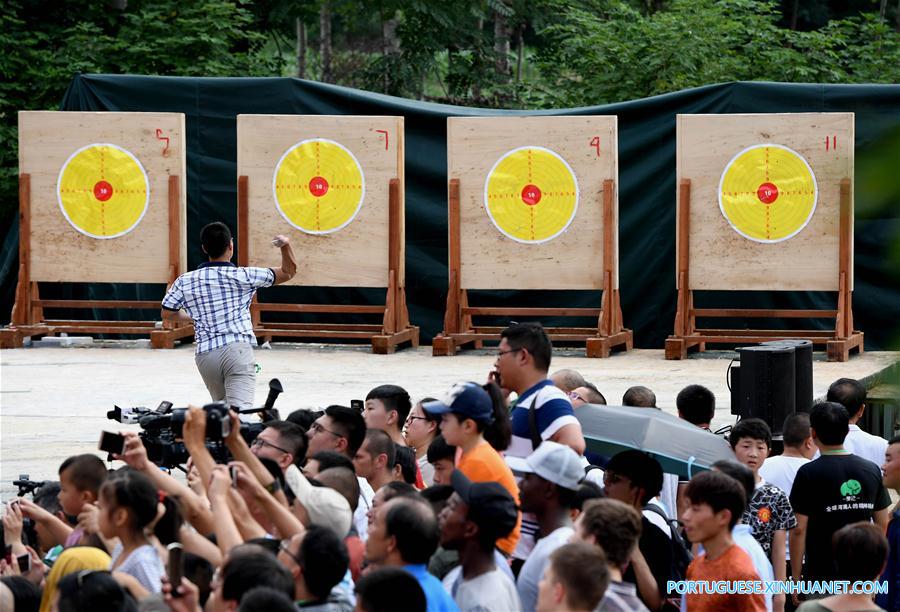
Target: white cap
{"points": [[324, 506], [554, 462]]}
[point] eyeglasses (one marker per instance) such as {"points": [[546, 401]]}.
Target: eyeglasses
{"points": [[411, 418], [502, 353], [258, 442], [316, 427], [573, 395], [284, 546]]}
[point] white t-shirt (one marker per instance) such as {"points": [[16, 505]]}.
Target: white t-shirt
{"points": [[668, 495], [143, 563], [493, 590], [361, 515], [533, 569], [866, 445], [426, 469]]}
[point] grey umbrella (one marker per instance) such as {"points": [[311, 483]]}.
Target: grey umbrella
{"points": [[680, 447]]}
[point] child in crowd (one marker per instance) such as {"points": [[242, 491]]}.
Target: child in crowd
{"points": [[715, 502], [442, 457], [768, 513], [128, 504], [467, 410]]}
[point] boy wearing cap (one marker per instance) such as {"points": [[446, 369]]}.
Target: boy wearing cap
{"points": [[465, 412], [552, 475], [476, 515]]}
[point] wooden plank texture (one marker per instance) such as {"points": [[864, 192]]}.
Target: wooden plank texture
{"points": [[722, 259], [357, 254], [572, 260], [61, 253]]}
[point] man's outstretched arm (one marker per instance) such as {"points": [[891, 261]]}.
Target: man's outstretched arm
{"points": [[288, 262]]}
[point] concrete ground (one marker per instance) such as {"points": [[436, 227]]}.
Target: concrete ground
{"points": [[53, 400]]}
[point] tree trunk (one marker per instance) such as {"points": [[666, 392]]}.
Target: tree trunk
{"points": [[301, 48], [476, 87], [794, 14], [520, 52], [325, 41], [501, 47]]}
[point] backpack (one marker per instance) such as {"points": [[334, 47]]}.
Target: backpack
{"points": [[681, 550]]}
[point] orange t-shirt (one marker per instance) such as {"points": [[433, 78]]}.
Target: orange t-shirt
{"points": [[484, 464], [733, 565]]}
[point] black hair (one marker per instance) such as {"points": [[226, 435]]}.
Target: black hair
{"points": [[498, 433], [533, 338], [167, 527], [615, 525], [594, 395], [215, 238], [93, 591], [585, 491], [849, 393], [434, 417], [342, 480], [26, 596], [304, 417], [393, 398], [397, 488], [641, 469], [47, 496], [640, 397], [199, 571], [720, 492], [437, 496], [696, 404], [271, 545], [739, 472], [132, 490], [324, 559], [378, 591], [266, 599], [246, 570], [85, 472], [583, 571], [413, 524], [405, 457], [378, 442], [332, 459], [860, 551], [795, 430], [894, 440], [439, 449], [753, 428], [831, 422], [349, 424], [292, 437]]}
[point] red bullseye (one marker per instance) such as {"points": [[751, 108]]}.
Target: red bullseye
{"points": [[318, 186], [531, 194], [103, 191], [767, 193]]}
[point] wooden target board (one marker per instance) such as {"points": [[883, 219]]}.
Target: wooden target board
{"points": [[99, 194], [324, 181], [531, 195], [765, 199]]}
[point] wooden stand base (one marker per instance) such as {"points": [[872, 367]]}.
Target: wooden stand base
{"points": [[446, 344], [14, 336], [837, 349]]}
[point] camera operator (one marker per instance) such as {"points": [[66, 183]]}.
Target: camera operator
{"points": [[216, 298]]}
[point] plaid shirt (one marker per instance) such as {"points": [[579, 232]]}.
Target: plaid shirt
{"points": [[217, 296]]}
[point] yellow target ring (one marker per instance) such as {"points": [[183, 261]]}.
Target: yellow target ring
{"points": [[103, 191], [319, 186], [768, 193], [531, 195]]}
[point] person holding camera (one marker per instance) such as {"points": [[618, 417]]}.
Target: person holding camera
{"points": [[216, 299]]}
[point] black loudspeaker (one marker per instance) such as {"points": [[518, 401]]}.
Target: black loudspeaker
{"points": [[803, 371], [763, 386]]}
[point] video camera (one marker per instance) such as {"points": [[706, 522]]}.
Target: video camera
{"points": [[163, 427]]}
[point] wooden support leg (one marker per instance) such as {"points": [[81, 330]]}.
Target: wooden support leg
{"points": [[676, 348], [443, 346]]}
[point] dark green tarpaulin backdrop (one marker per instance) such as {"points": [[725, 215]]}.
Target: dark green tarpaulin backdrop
{"points": [[646, 200]]}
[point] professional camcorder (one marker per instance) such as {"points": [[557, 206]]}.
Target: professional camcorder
{"points": [[163, 427]]}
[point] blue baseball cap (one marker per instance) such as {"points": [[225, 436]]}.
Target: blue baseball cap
{"points": [[466, 399]]}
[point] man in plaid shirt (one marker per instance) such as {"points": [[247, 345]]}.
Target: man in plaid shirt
{"points": [[216, 298]]}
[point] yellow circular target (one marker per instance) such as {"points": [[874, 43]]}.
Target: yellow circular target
{"points": [[768, 193], [319, 186], [103, 191], [531, 195]]}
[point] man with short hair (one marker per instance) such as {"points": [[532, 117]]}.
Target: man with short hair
{"points": [[552, 474], [567, 380], [541, 412], [404, 534], [697, 405], [575, 579], [639, 397], [442, 457], [343, 430], [374, 460], [615, 527], [216, 299], [282, 442], [377, 591], [386, 408], [245, 569], [891, 573], [343, 480], [834, 490], [317, 559], [586, 394], [851, 394], [475, 517]]}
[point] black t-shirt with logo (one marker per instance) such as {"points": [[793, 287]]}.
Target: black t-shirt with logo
{"points": [[834, 491]]}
